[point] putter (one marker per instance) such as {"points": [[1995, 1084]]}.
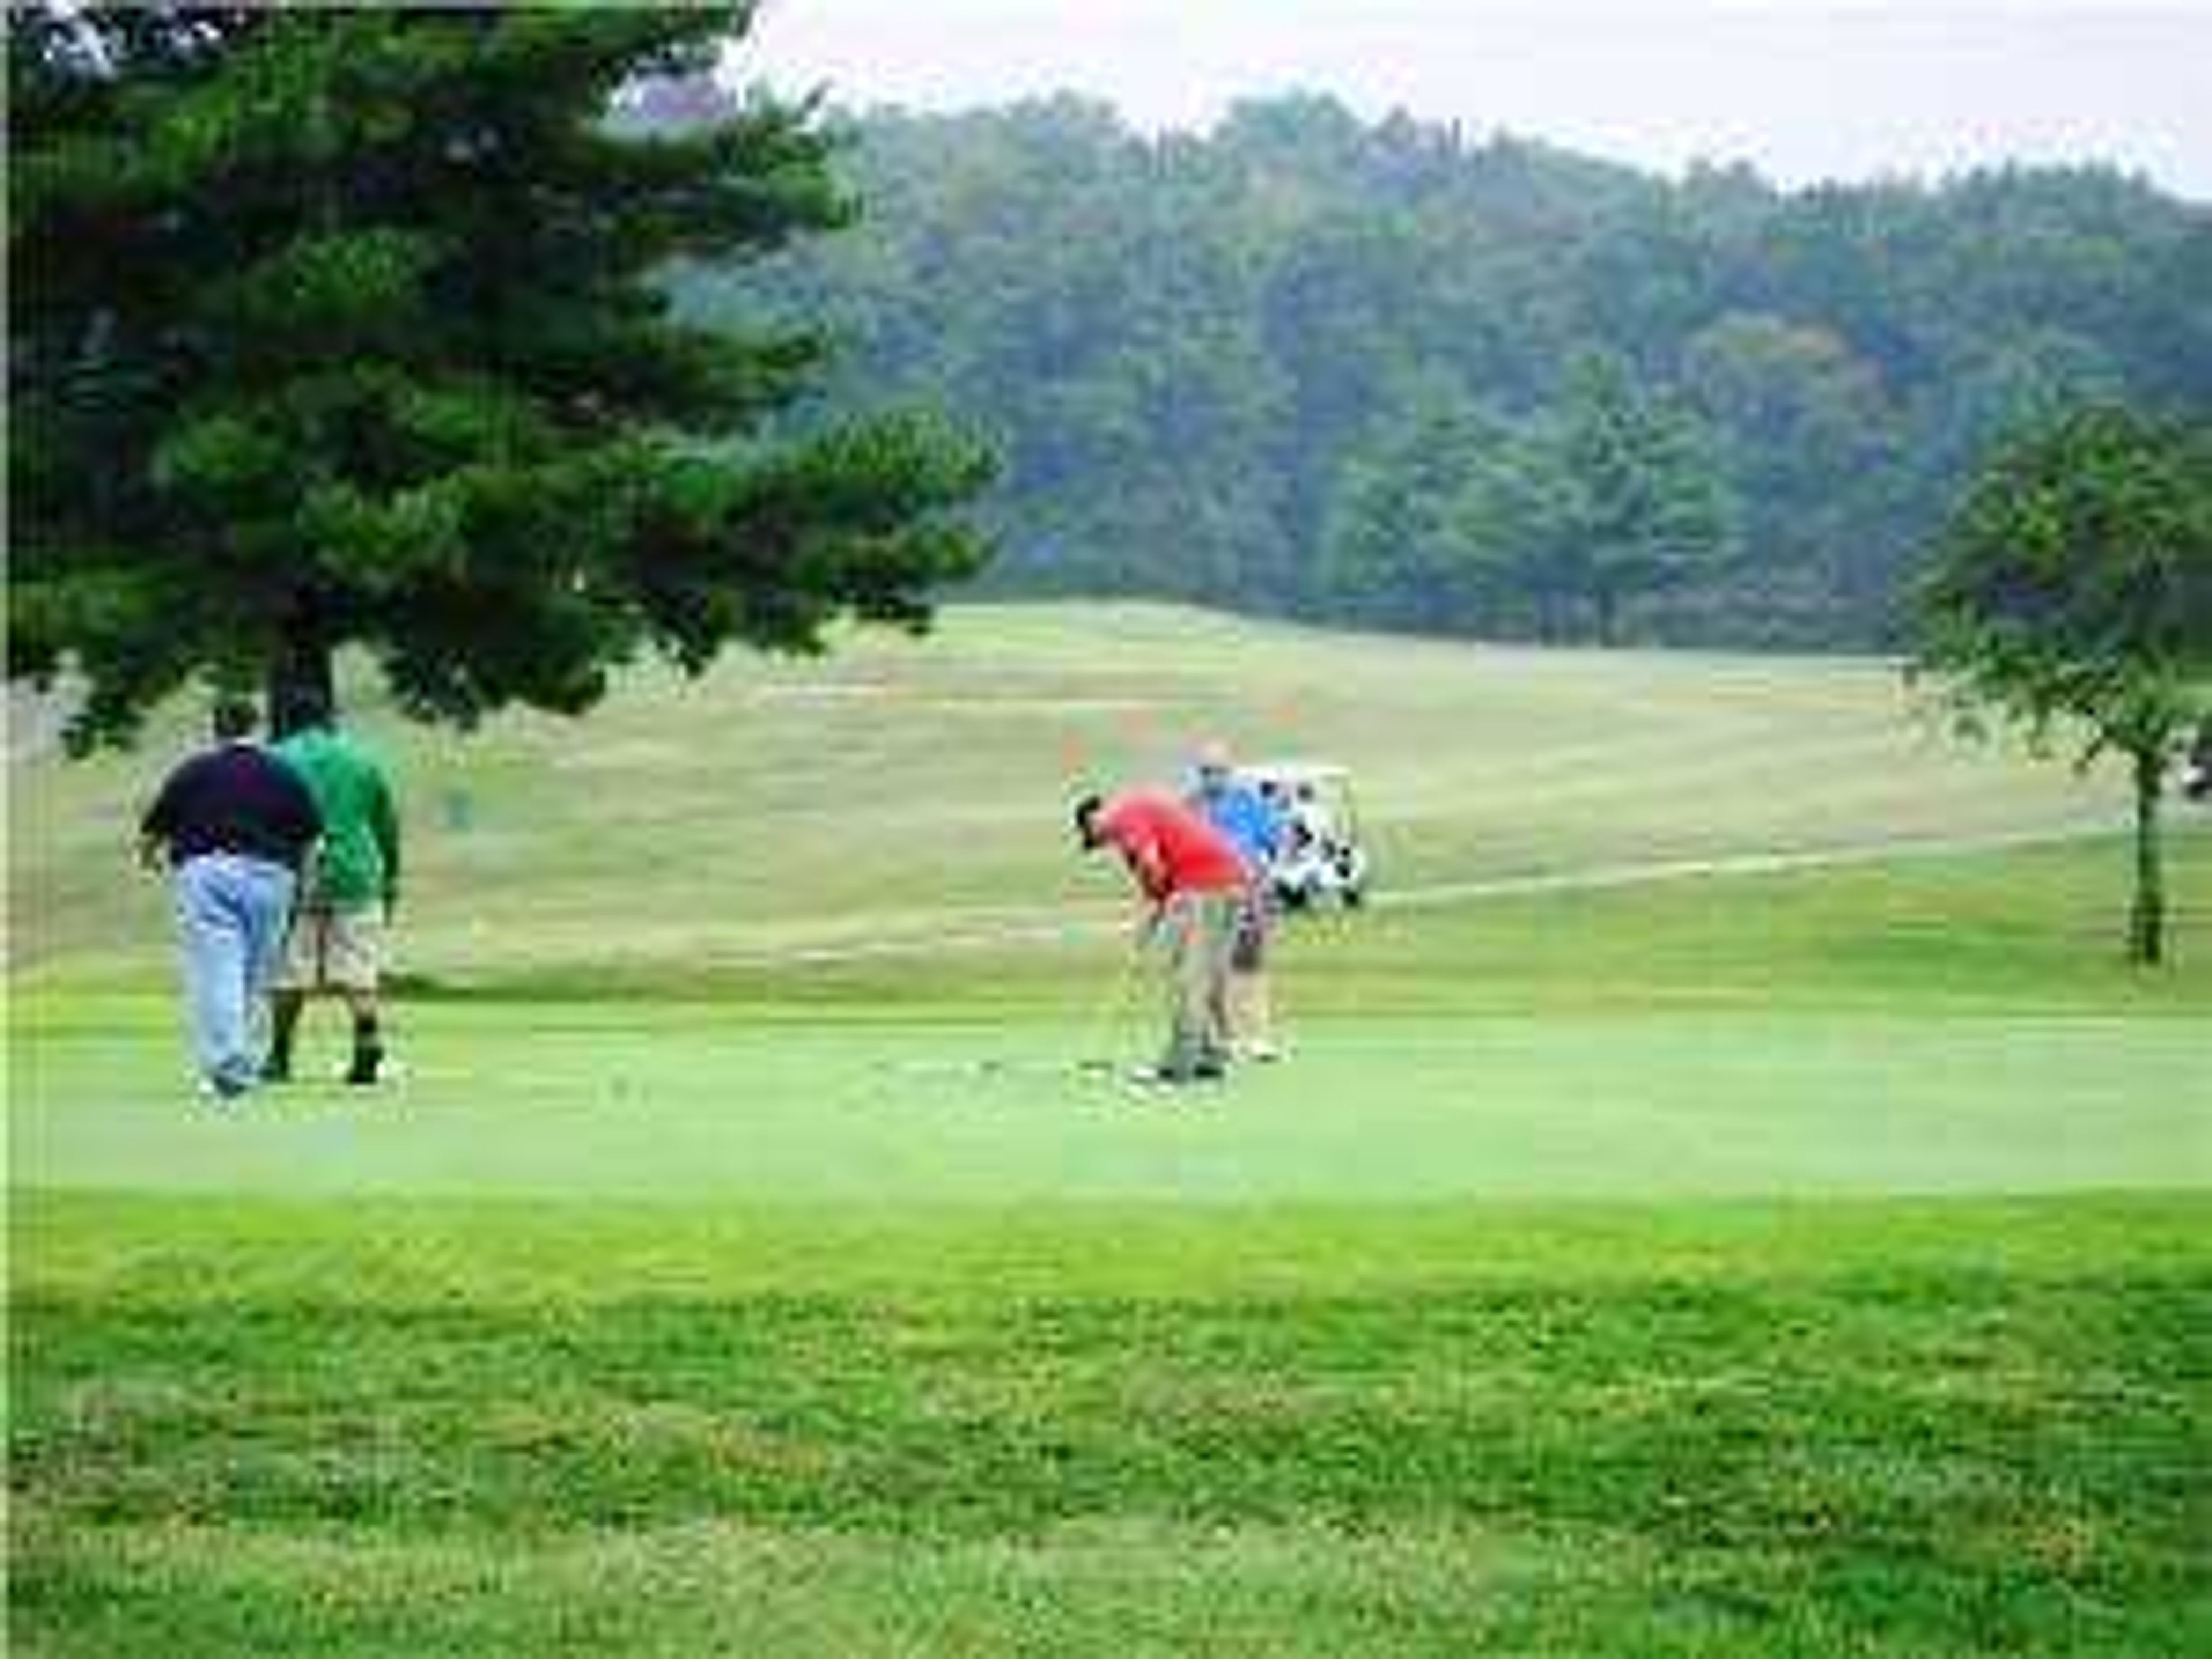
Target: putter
{"points": [[1091, 1060], [1106, 1017]]}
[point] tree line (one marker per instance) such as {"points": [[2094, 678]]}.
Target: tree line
{"points": [[1383, 373], [500, 345]]}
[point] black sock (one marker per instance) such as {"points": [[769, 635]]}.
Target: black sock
{"points": [[278, 1063], [367, 1049]]}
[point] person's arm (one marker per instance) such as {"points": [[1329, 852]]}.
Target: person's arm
{"points": [[1270, 823], [1147, 865], [1141, 853], [1149, 914], [384, 824], [1150, 872], [306, 818], [158, 823], [1131, 835]]}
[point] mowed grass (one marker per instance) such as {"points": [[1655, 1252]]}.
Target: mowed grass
{"points": [[1895, 1429], [1574, 1313], [903, 790], [1804, 1264], [1953, 1026]]}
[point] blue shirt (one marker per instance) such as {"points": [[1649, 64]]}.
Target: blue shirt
{"points": [[1243, 814]]}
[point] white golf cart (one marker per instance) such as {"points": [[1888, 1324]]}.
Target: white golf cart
{"points": [[1323, 855]]}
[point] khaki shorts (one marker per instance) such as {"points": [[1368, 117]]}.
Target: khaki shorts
{"points": [[1255, 923], [328, 949]]}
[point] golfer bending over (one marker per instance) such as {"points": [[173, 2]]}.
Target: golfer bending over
{"points": [[235, 823], [1193, 877]]}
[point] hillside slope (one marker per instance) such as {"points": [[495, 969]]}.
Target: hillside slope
{"points": [[900, 789]]}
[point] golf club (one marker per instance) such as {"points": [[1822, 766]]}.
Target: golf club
{"points": [[1101, 1024], [1106, 1017]]}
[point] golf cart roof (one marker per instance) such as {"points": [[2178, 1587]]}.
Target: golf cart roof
{"points": [[1296, 771]]}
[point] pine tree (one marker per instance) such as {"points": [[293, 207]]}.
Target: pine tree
{"points": [[351, 327], [1652, 509]]}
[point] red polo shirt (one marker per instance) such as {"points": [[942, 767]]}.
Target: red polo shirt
{"points": [[1170, 848]]}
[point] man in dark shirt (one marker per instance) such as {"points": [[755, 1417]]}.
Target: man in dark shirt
{"points": [[233, 824]]}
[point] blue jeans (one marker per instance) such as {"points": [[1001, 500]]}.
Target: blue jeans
{"points": [[231, 913]]}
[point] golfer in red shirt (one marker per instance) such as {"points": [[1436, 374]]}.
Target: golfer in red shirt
{"points": [[1193, 876]]}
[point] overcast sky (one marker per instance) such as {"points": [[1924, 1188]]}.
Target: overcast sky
{"points": [[1849, 89]]}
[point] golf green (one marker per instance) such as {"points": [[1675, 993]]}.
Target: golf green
{"points": [[1812, 1262]]}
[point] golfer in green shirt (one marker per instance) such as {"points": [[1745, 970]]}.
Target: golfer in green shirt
{"points": [[337, 940]]}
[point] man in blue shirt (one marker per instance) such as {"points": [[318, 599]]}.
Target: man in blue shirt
{"points": [[1252, 826]]}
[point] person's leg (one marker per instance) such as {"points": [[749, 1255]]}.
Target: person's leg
{"points": [[1217, 939], [368, 1035], [1187, 1010], [1259, 1016], [265, 905], [1248, 1035], [356, 966], [285, 1004], [1242, 948], [1251, 1033], [297, 975], [212, 940]]}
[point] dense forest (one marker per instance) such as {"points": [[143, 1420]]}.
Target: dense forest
{"points": [[1381, 373]]}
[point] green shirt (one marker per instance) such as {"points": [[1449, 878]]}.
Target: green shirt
{"points": [[357, 864]]}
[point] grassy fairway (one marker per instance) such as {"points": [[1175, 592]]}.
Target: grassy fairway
{"points": [[1892, 1429], [1808, 1264], [901, 790], [1799, 1035], [783, 1338]]}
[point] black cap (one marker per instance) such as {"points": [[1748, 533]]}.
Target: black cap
{"points": [[1087, 809]]}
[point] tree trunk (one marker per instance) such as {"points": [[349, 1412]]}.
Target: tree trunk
{"points": [[301, 667], [2147, 920], [1607, 604], [1552, 624]]}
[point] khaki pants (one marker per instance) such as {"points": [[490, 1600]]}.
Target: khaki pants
{"points": [[1201, 928]]}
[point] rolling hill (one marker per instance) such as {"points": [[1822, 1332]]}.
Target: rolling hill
{"points": [[905, 792]]}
